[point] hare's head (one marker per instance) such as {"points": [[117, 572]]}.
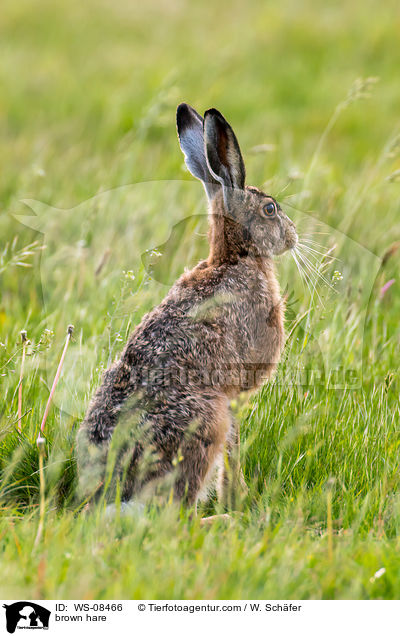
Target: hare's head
{"points": [[246, 220]]}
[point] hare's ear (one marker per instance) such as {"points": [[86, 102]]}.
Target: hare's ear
{"points": [[222, 151], [190, 133]]}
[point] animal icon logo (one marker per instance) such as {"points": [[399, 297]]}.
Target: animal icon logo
{"points": [[26, 615]]}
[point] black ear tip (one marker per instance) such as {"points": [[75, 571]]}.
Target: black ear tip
{"points": [[186, 117], [182, 108], [213, 112], [182, 116]]}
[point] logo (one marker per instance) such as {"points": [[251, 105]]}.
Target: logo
{"points": [[26, 615]]}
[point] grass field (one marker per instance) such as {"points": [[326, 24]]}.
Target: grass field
{"points": [[98, 217]]}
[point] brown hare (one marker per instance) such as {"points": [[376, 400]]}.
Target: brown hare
{"points": [[219, 331]]}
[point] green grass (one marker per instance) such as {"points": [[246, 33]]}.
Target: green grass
{"points": [[87, 140]]}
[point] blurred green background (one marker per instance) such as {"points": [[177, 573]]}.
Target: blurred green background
{"points": [[88, 93]]}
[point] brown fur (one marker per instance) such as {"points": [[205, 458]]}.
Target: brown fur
{"points": [[219, 331]]}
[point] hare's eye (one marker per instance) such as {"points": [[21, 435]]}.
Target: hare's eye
{"points": [[269, 210]]}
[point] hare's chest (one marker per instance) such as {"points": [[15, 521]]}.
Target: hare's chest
{"points": [[268, 331], [267, 323]]}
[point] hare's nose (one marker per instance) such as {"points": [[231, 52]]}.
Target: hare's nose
{"points": [[291, 239]]}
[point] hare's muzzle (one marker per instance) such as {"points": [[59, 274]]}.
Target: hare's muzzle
{"points": [[291, 238]]}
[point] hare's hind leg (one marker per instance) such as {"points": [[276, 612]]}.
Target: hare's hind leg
{"points": [[231, 484], [194, 468], [201, 452]]}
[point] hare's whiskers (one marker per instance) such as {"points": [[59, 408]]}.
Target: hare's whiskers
{"points": [[303, 276], [312, 276], [313, 251], [314, 265], [320, 264], [317, 270], [314, 272], [305, 239], [312, 233]]}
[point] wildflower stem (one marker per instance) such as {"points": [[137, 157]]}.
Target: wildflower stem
{"points": [[41, 446], [57, 376], [21, 377], [329, 524]]}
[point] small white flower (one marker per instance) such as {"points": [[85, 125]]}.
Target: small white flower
{"points": [[377, 575], [337, 276]]}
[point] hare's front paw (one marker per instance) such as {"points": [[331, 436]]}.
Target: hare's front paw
{"points": [[207, 521]]}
